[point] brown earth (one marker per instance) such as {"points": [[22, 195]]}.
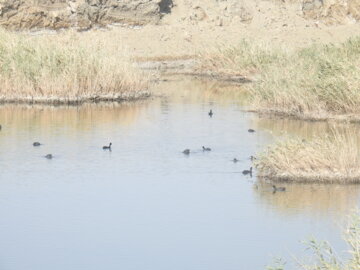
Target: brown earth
{"points": [[171, 29]]}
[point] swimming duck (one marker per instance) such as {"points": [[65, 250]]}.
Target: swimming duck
{"points": [[36, 144], [211, 113], [251, 130], [275, 188], [49, 156], [246, 172], [107, 147], [206, 148], [252, 158], [186, 151], [235, 160]]}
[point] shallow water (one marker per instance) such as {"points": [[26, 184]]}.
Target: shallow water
{"points": [[145, 205]]}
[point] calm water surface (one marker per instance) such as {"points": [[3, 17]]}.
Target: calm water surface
{"points": [[145, 205]]}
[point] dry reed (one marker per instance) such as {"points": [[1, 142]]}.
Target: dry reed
{"points": [[331, 158], [319, 82], [65, 68]]}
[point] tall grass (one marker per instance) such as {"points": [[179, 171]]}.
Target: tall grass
{"points": [[322, 81], [318, 82], [325, 258], [246, 58], [332, 158], [65, 68]]}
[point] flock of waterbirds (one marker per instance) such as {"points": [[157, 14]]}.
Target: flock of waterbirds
{"points": [[186, 152], [50, 156], [235, 160]]}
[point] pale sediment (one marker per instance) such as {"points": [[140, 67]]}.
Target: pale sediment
{"points": [[316, 177], [310, 117], [58, 100]]}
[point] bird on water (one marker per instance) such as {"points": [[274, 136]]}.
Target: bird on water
{"points": [[186, 151], [246, 172], [251, 130], [206, 148], [36, 144], [107, 147], [275, 188], [49, 156], [235, 160], [211, 113]]}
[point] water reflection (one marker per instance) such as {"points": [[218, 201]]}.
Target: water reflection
{"points": [[84, 117], [303, 129], [314, 199], [185, 89], [145, 205]]}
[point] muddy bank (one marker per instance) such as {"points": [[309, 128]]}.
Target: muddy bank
{"points": [[54, 100]]}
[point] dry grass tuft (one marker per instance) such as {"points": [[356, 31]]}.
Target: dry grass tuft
{"points": [[65, 68], [333, 158], [243, 59], [319, 82]]}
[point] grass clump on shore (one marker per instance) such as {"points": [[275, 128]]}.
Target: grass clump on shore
{"points": [[243, 59], [332, 158], [325, 258], [65, 68], [318, 82]]}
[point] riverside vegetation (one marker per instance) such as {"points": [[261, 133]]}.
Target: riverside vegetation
{"points": [[319, 82], [331, 158], [325, 257], [66, 68]]}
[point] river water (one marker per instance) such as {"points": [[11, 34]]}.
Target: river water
{"points": [[146, 205]]}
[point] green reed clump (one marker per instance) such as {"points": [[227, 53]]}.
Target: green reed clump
{"points": [[331, 158], [65, 68]]}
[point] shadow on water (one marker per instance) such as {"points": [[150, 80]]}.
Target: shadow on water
{"points": [[303, 129], [313, 199], [145, 205]]}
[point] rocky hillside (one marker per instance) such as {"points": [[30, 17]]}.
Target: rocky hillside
{"points": [[56, 14], [332, 11], [84, 14]]}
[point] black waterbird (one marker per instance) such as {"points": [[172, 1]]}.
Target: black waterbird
{"points": [[107, 147], [36, 144], [246, 172], [206, 148], [211, 113], [49, 156], [186, 151], [251, 130]]}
